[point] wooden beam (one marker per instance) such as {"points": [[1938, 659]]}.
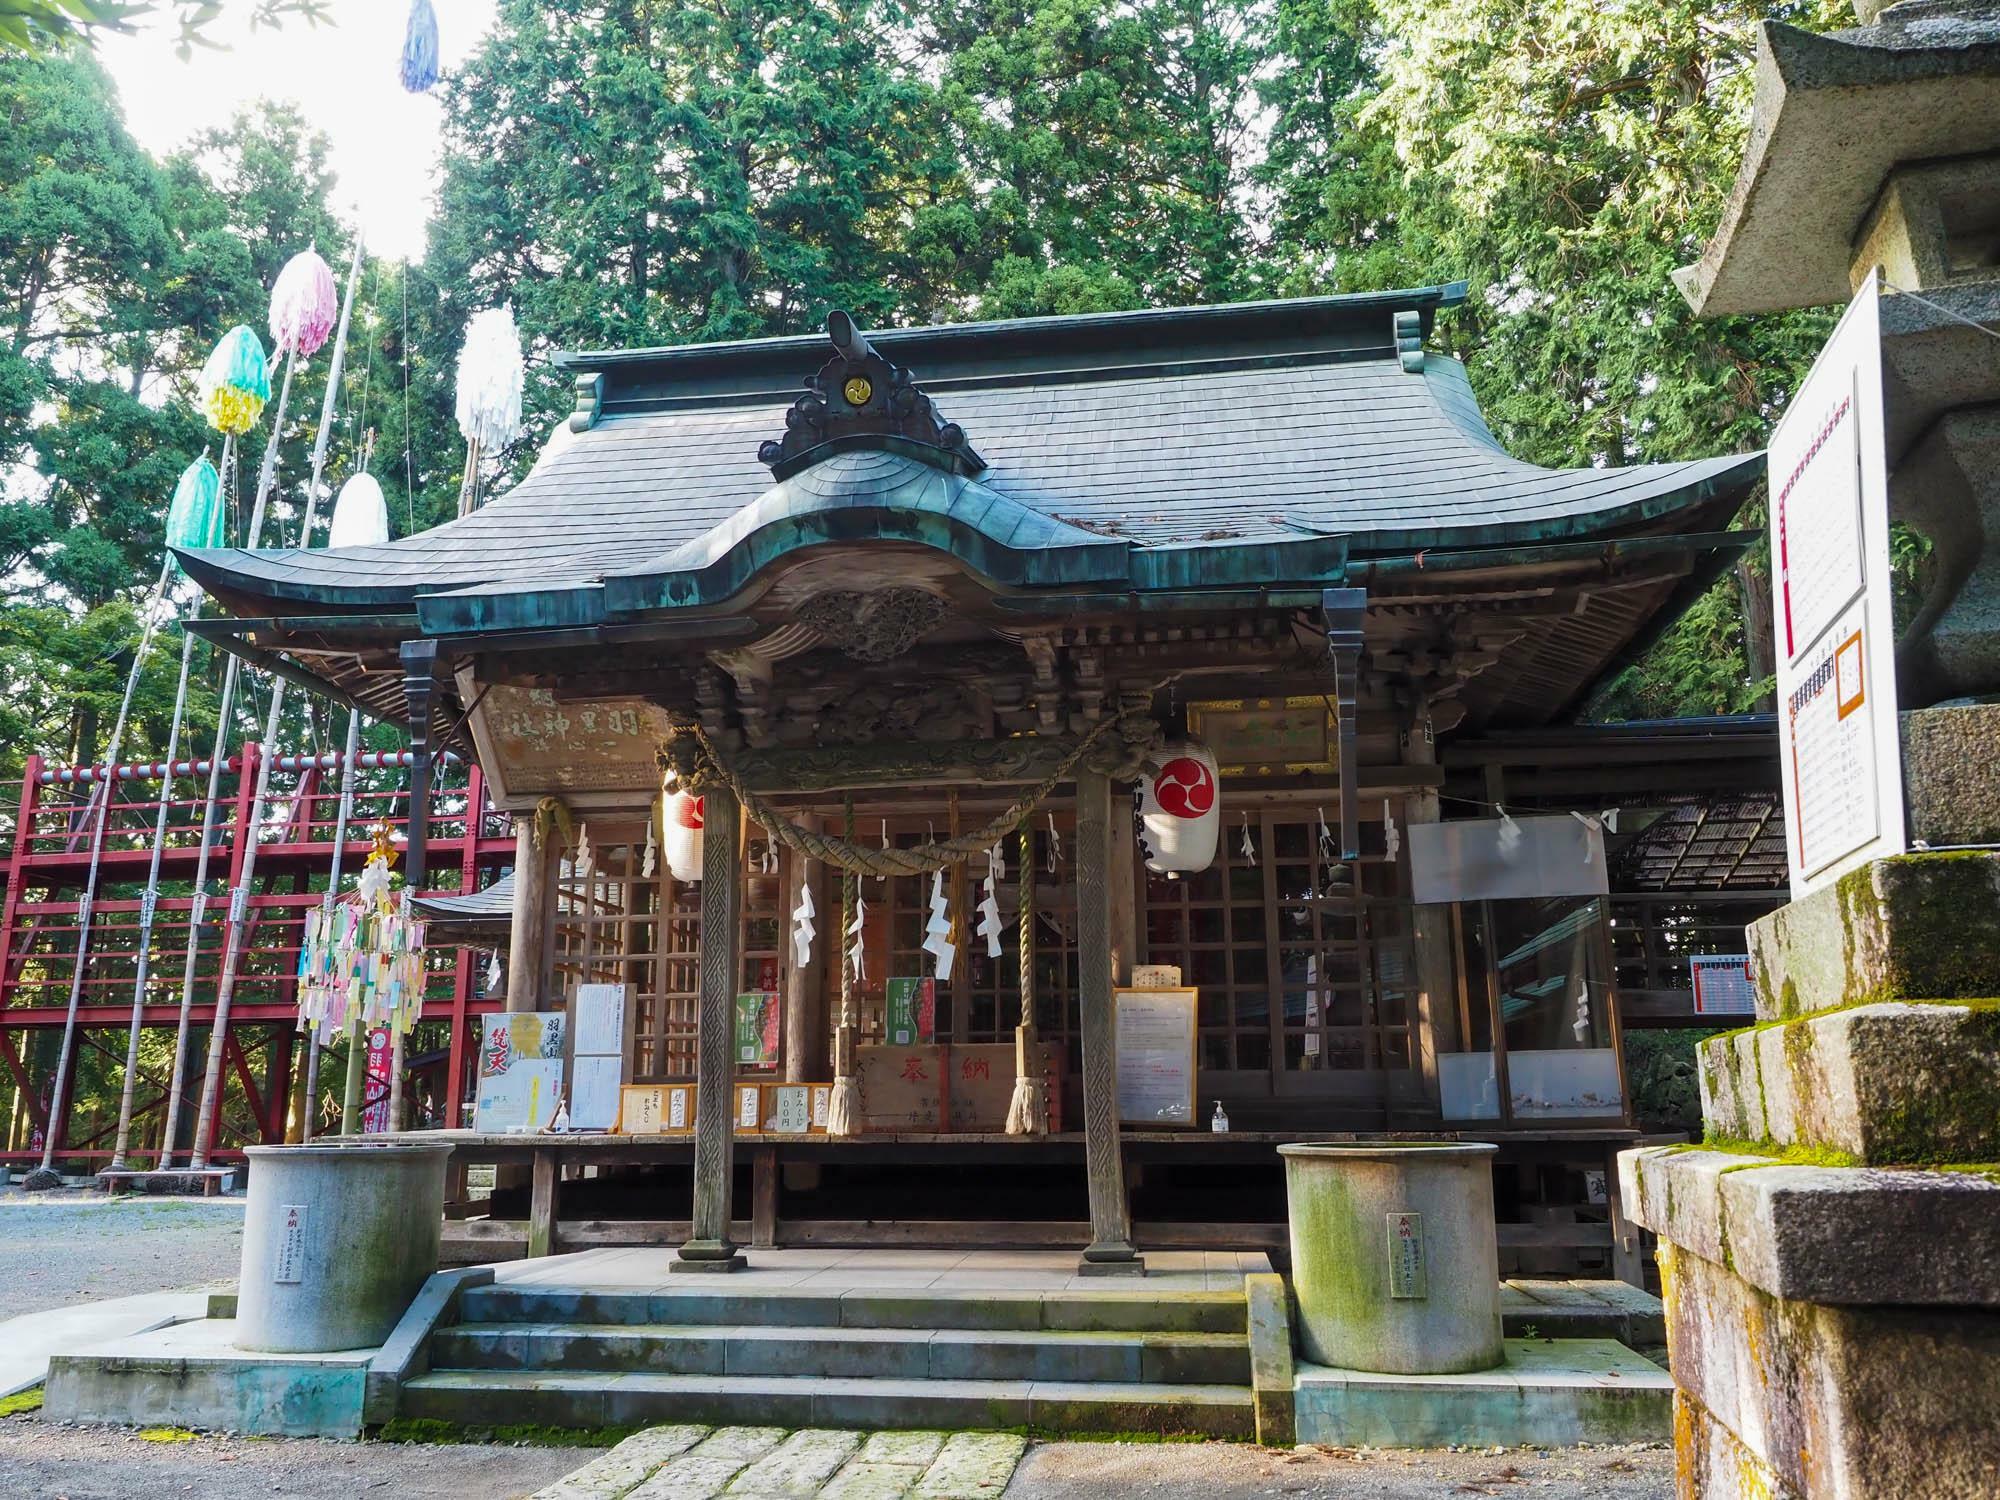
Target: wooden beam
{"points": [[542, 1204]]}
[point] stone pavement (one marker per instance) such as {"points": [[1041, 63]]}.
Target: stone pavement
{"points": [[768, 1463], [27, 1342]]}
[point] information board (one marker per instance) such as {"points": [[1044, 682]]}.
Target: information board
{"points": [[1722, 984], [597, 1061], [520, 1071], [1830, 595], [1156, 1056]]}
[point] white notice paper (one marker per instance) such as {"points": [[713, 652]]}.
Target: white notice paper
{"points": [[1156, 1034], [291, 1266], [593, 1092]]}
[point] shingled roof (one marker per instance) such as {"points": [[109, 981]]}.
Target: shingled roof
{"points": [[1274, 443]]}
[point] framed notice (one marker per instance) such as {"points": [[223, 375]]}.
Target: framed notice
{"points": [[520, 1071], [912, 1006], [1838, 748], [1722, 984], [1156, 1056]]}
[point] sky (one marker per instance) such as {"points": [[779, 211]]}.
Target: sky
{"points": [[343, 76]]}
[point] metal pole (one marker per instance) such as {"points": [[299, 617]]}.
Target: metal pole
{"points": [[239, 900], [148, 902]]}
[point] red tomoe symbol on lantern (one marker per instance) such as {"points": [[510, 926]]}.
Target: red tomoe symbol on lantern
{"points": [[687, 812], [1184, 788]]}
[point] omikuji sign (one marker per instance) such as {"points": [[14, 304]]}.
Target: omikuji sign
{"points": [[1830, 596]]}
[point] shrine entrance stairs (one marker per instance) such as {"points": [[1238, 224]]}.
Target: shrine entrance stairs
{"points": [[851, 1338]]}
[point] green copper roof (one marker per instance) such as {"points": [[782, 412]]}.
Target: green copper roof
{"points": [[1263, 445]]}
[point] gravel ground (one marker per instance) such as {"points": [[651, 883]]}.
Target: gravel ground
{"points": [[42, 1461], [45, 1461], [1234, 1471], [75, 1245]]}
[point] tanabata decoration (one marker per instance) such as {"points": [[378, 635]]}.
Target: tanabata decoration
{"points": [[420, 48], [360, 514], [489, 379], [1180, 809], [235, 382], [362, 958], [304, 304], [195, 518]]}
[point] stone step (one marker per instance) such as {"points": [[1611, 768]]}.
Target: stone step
{"points": [[628, 1399], [962, 1308], [876, 1353]]}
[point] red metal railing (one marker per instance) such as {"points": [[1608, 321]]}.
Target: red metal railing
{"points": [[46, 826]]}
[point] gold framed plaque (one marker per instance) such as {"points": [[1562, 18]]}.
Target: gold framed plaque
{"points": [[1267, 736]]}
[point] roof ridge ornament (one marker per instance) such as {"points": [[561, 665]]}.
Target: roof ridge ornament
{"points": [[859, 399]]}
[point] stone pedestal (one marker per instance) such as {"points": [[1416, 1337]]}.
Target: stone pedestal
{"points": [[1831, 1271]]}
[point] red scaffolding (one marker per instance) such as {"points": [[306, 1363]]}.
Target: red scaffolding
{"points": [[44, 866]]}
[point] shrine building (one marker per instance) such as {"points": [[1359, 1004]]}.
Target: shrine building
{"points": [[886, 600]]}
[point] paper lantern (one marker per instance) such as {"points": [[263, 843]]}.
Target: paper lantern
{"points": [[489, 379], [235, 382], [195, 517], [1180, 809], [683, 820], [419, 68], [360, 515], [304, 303]]}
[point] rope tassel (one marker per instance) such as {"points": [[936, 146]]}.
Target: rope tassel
{"points": [[1028, 1108]]}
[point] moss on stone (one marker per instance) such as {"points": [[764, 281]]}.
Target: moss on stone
{"points": [[512, 1434], [21, 1401], [1772, 1154]]}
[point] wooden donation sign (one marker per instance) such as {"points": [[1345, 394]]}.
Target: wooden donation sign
{"points": [[1156, 1056], [520, 1071], [656, 1109]]}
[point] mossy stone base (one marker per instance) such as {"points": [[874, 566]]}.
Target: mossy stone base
{"points": [[1873, 1403], [1888, 1084], [1916, 927], [1951, 773]]}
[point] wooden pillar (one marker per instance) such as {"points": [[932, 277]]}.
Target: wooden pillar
{"points": [[1110, 1251], [805, 999], [526, 955], [709, 1248], [764, 1198], [1434, 1024]]}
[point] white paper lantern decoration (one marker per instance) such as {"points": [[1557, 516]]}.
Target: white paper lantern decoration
{"points": [[683, 820], [360, 515], [1180, 809], [489, 380]]}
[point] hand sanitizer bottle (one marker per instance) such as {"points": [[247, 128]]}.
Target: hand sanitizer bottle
{"points": [[1219, 1122]]}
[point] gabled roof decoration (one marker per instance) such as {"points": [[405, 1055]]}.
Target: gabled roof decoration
{"points": [[860, 400]]}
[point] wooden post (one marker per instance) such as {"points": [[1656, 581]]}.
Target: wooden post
{"points": [[542, 1206], [420, 684], [1628, 1259], [764, 1198], [1434, 1023], [709, 1247], [805, 999], [524, 932], [1123, 891], [1110, 1251]]}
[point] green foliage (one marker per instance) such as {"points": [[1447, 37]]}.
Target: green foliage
{"points": [[40, 26]]}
